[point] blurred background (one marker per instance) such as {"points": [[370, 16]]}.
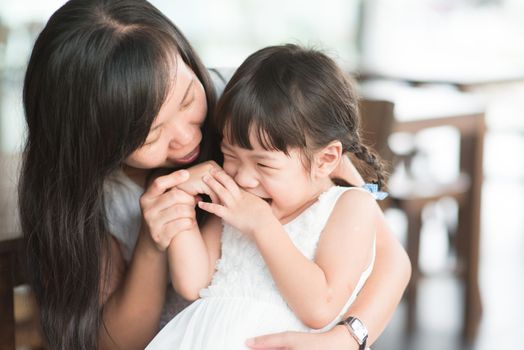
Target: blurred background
{"points": [[443, 88]]}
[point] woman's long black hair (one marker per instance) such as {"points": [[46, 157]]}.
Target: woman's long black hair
{"points": [[97, 77]]}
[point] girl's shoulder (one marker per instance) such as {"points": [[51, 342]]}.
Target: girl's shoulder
{"points": [[346, 196], [354, 204]]}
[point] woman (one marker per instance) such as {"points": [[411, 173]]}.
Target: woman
{"points": [[113, 91]]}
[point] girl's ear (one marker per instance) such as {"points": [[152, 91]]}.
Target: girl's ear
{"points": [[326, 160]]}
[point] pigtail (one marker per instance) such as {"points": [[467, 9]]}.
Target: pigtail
{"points": [[369, 157]]}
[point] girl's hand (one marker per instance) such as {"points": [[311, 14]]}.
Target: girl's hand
{"points": [[166, 210], [194, 185], [239, 208], [335, 339]]}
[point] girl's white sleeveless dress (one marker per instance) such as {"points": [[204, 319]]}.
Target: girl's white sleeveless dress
{"points": [[242, 300]]}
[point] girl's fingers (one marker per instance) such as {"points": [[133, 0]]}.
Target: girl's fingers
{"points": [[210, 193], [213, 208], [163, 183], [219, 190], [223, 178]]}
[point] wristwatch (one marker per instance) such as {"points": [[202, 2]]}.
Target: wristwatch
{"points": [[357, 330]]}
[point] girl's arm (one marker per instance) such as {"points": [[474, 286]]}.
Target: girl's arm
{"points": [[347, 241], [374, 305], [317, 290], [192, 257], [133, 297]]}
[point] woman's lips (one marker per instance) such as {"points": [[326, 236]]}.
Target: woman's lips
{"points": [[190, 157]]}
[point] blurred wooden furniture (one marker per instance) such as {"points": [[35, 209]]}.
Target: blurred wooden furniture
{"points": [[10, 251], [379, 120], [13, 331]]}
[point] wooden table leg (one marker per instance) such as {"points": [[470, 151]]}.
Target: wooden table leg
{"points": [[7, 318], [472, 161], [414, 220]]}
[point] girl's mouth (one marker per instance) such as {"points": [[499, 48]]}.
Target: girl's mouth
{"points": [[268, 200]]}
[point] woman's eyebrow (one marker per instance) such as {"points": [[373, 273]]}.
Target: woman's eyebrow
{"points": [[187, 90]]}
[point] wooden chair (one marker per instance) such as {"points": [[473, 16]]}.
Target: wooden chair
{"points": [[377, 125], [18, 322]]}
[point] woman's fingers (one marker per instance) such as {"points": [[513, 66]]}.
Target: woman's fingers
{"points": [[163, 183], [172, 221], [152, 210], [175, 212], [275, 341], [175, 227]]}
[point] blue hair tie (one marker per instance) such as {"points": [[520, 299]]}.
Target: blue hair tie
{"points": [[373, 189]]}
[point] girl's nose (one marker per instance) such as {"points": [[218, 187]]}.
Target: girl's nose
{"points": [[246, 178]]}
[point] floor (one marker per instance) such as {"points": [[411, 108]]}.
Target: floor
{"points": [[502, 250]]}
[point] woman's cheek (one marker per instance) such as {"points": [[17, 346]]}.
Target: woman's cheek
{"points": [[149, 157]]}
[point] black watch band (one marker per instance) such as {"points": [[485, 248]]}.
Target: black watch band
{"points": [[357, 330]]}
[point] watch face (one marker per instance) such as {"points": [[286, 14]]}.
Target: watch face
{"points": [[359, 329]]}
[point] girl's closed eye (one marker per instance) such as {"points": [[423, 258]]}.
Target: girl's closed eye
{"points": [[228, 155], [266, 166]]}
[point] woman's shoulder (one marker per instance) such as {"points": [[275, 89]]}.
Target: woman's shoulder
{"points": [[220, 77], [122, 209]]}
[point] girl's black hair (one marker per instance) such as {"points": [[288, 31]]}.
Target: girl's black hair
{"points": [[98, 74], [293, 97]]}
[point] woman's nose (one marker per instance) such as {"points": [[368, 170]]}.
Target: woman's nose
{"points": [[182, 136]]}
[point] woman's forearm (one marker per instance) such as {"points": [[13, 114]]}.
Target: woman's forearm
{"points": [[383, 290], [131, 314]]}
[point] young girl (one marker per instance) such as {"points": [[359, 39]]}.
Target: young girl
{"points": [[287, 248]]}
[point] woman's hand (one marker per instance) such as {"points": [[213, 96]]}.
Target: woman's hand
{"points": [[239, 208], [346, 171], [336, 339], [194, 185], [167, 210]]}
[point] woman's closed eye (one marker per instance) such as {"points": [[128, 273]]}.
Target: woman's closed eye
{"points": [[188, 100], [154, 138], [187, 104]]}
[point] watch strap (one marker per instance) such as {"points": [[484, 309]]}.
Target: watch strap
{"points": [[347, 323]]}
